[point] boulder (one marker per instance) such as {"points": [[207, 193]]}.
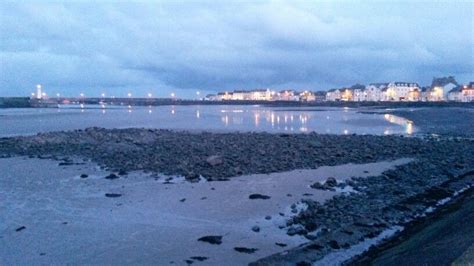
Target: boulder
{"points": [[331, 182], [214, 240]]}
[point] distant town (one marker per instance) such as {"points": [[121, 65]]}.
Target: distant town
{"points": [[445, 89], [441, 89]]}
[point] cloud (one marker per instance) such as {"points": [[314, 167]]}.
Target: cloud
{"points": [[188, 46]]}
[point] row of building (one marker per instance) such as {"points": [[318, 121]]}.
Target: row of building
{"points": [[267, 95], [441, 89]]}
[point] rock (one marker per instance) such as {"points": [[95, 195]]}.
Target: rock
{"points": [[317, 185], [112, 176], [182, 200], [214, 160], [303, 263], [214, 240], [268, 217], [281, 244], [333, 244], [245, 250], [20, 228], [259, 196], [256, 228], [314, 246], [83, 176], [122, 172], [113, 195], [199, 258], [331, 182], [296, 231]]}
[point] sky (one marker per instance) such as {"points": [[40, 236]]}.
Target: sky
{"points": [[181, 47]]}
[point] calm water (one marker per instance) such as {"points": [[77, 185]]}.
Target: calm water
{"points": [[211, 118]]}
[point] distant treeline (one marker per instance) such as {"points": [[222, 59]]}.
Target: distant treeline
{"points": [[15, 102]]}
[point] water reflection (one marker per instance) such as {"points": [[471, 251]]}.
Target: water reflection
{"points": [[232, 118], [407, 124]]}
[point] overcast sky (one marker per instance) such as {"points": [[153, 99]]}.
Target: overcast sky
{"points": [[186, 46]]}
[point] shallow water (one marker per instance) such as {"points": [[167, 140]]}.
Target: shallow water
{"points": [[68, 220], [210, 118]]}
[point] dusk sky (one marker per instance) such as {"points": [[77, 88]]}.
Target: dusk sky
{"points": [[186, 46]]}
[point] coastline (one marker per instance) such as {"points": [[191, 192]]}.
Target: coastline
{"points": [[426, 240]]}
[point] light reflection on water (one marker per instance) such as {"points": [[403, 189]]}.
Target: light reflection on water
{"points": [[211, 118], [393, 119]]}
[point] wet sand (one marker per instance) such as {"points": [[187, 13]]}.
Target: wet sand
{"points": [[68, 220]]}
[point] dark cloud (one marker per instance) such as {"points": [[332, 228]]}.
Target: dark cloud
{"points": [[199, 45]]}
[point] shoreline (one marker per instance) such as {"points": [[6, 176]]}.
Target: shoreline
{"points": [[26, 102], [422, 233]]}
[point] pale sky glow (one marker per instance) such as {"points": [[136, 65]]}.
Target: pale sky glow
{"points": [[182, 47]]}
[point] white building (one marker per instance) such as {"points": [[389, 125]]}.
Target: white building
{"points": [[455, 94], [333, 95], [402, 91], [440, 88], [467, 93], [307, 96], [374, 92], [261, 95], [287, 95], [241, 95], [359, 95]]}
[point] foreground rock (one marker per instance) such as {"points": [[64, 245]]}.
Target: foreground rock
{"points": [[219, 155], [215, 240]]}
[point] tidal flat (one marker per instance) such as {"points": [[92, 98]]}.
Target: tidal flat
{"points": [[144, 195]]}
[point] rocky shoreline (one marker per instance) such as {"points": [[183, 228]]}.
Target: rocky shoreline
{"points": [[440, 167]]}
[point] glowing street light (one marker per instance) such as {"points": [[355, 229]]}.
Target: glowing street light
{"points": [[103, 95], [149, 95], [129, 95], [172, 95]]}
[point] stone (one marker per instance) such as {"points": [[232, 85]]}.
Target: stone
{"points": [[333, 244], [20, 228], [199, 258], [214, 240], [83, 176], [112, 176], [298, 230], [245, 250], [214, 160], [259, 196], [113, 195], [331, 182], [256, 228], [268, 217], [122, 172]]}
